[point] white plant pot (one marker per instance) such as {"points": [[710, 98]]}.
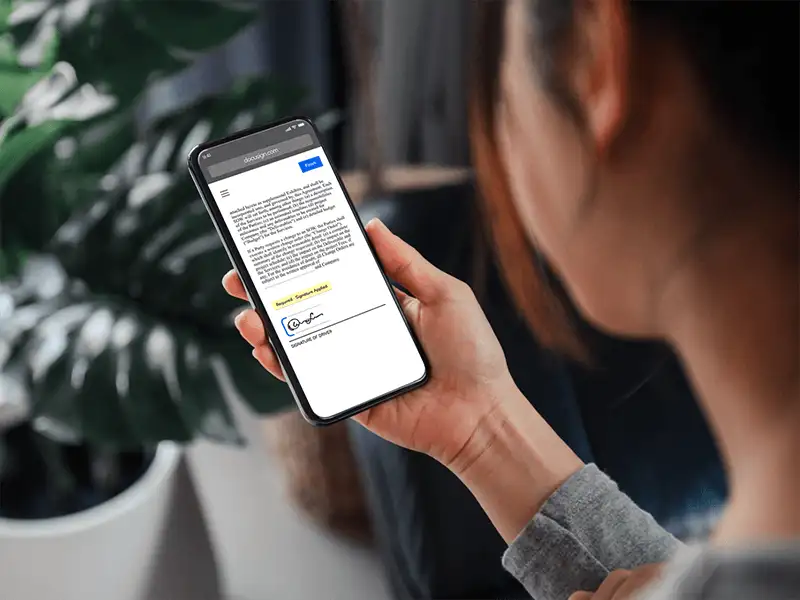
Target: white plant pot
{"points": [[105, 553]]}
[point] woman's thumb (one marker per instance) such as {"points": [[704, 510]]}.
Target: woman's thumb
{"points": [[404, 264]]}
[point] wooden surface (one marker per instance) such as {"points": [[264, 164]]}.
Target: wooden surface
{"points": [[404, 178]]}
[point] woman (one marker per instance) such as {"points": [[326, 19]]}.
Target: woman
{"points": [[651, 153]]}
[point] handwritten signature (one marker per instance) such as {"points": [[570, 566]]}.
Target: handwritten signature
{"points": [[293, 323]]}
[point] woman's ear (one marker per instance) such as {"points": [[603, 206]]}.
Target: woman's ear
{"points": [[599, 66]]}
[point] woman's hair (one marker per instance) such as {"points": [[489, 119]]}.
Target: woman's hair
{"points": [[745, 53]]}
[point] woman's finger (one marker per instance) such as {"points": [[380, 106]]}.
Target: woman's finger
{"points": [[401, 295], [611, 585], [639, 579], [581, 596], [250, 326], [625, 585], [264, 355], [405, 265], [233, 285], [406, 301]]}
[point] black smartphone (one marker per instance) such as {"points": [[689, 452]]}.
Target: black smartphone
{"points": [[294, 237]]}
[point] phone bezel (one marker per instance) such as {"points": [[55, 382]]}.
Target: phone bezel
{"points": [[255, 300]]}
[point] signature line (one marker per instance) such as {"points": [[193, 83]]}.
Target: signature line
{"points": [[337, 322]]}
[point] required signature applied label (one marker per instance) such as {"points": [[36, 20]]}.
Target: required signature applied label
{"points": [[302, 295]]}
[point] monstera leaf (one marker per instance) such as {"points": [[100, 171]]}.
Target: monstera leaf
{"points": [[122, 334], [116, 331], [123, 338], [119, 45], [71, 71], [97, 150], [54, 103], [39, 187]]}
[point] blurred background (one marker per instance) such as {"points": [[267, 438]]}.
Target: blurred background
{"points": [[143, 453]]}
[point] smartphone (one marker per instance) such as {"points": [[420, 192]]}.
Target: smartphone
{"points": [[294, 237]]}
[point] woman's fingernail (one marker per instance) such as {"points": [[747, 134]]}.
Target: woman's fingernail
{"points": [[255, 355], [238, 320]]}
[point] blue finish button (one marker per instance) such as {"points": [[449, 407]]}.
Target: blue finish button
{"points": [[310, 164]]}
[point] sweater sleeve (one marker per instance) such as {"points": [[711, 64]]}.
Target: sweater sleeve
{"points": [[585, 530]]}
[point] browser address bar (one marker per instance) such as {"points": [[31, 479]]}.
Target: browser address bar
{"points": [[269, 153]]}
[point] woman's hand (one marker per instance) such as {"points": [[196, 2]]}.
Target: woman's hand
{"points": [[622, 584], [469, 378], [470, 415]]}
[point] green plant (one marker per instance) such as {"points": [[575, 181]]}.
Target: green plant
{"points": [[114, 330]]}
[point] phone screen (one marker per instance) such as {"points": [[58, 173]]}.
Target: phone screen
{"points": [[303, 248]]}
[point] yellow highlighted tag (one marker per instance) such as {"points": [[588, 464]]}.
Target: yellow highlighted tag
{"points": [[302, 295]]}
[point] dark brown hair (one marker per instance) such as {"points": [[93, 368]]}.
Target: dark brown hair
{"points": [[543, 310], [746, 53]]}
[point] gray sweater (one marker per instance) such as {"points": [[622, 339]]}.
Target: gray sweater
{"points": [[589, 528]]}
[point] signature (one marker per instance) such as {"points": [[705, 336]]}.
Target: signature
{"points": [[293, 323]]}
